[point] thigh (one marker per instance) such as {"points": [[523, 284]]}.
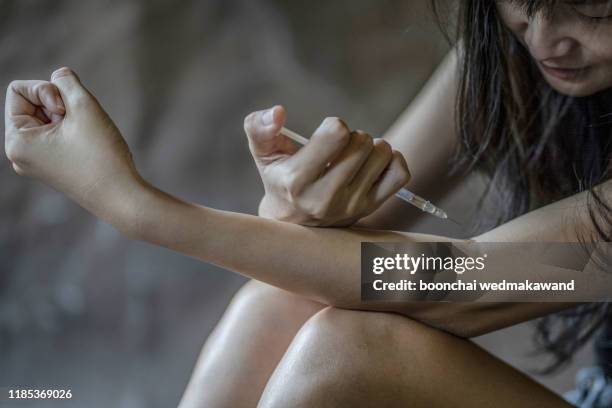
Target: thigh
{"points": [[344, 358]]}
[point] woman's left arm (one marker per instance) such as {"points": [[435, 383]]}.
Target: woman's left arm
{"points": [[324, 263], [58, 133]]}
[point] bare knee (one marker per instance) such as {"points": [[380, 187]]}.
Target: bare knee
{"points": [[256, 297], [246, 345], [338, 357], [254, 292]]}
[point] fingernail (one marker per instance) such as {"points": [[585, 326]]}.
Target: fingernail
{"points": [[268, 117], [61, 72]]}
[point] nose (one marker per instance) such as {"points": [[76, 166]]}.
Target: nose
{"points": [[547, 40]]}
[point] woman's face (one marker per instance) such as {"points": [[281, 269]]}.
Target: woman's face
{"points": [[572, 47]]}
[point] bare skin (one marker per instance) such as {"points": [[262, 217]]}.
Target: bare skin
{"points": [[246, 346], [54, 142], [324, 270], [261, 306], [344, 358], [418, 120]]}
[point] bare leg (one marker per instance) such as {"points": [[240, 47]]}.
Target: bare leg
{"points": [[343, 358], [245, 347]]}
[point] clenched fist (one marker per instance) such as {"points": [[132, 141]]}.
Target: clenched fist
{"points": [[57, 132]]}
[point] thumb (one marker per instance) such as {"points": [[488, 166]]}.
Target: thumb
{"points": [[263, 131], [69, 85]]}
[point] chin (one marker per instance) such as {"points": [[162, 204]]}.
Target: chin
{"points": [[576, 92], [583, 87]]}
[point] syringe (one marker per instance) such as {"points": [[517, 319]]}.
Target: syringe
{"points": [[421, 203], [406, 195]]}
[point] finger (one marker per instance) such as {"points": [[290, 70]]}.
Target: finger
{"points": [[345, 167], [377, 161], [262, 129], [326, 143], [23, 97], [43, 114], [52, 117], [25, 101], [395, 176], [70, 88]]}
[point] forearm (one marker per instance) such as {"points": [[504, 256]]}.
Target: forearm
{"points": [[320, 263]]}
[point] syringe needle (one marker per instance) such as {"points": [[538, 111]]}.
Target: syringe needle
{"points": [[404, 194], [454, 222]]}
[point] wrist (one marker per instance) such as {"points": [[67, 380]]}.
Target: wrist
{"points": [[271, 208], [134, 210], [121, 202], [268, 209], [154, 216], [263, 210]]}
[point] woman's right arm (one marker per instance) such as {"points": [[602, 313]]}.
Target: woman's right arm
{"points": [[424, 136]]}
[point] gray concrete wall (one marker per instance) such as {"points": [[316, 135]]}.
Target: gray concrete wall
{"points": [[121, 322]]}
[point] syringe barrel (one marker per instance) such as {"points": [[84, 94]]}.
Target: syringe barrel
{"points": [[406, 195], [429, 207], [415, 199], [420, 203]]}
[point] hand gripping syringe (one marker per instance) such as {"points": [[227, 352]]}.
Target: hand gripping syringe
{"points": [[406, 195]]}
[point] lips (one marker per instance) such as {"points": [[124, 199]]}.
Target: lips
{"points": [[567, 74]]}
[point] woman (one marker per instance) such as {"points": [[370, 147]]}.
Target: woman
{"points": [[528, 78]]}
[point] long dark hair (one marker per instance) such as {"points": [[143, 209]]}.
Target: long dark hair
{"points": [[534, 144]]}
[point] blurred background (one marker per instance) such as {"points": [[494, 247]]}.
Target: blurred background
{"points": [[121, 322]]}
